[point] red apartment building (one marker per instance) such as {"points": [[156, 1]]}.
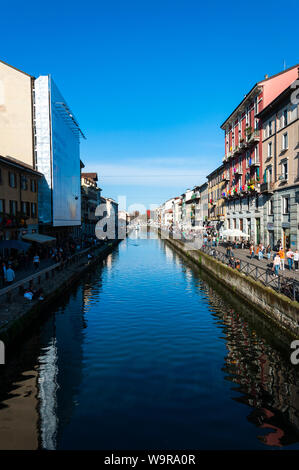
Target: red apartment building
{"points": [[243, 160]]}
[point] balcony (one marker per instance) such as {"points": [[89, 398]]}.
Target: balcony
{"points": [[267, 187], [254, 137], [242, 144], [227, 156], [253, 186], [254, 162], [225, 176], [238, 150], [238, 170], [244, 190], [13, 221]]}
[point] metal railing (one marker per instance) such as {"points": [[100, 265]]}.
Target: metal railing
{"points": [[283, 284], [44, 274]]}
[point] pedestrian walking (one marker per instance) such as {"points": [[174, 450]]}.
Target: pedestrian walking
{"points": [[282, 258], [260, 252], [290, 255], [276, 263], [10, 275], [268, 251], [251, 251]]}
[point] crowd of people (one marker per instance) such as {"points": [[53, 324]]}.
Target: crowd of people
{"points": [[280, 257], [14, 261]]}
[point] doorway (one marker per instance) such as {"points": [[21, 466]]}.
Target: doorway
{"points": [[258, 231], [271, 239]]}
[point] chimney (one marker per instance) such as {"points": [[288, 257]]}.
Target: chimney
{"points": [[266, 76]]}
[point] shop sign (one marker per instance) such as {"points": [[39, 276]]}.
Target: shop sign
{"points": [[285, 224], [270, 226]]}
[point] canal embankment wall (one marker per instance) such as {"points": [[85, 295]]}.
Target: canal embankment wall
{"points": [[275, 307], [18, 315]]}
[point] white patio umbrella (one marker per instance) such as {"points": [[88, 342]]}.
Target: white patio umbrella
{"points": [[234, 233]]}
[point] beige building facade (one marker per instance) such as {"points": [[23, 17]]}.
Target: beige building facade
{"points": [[281, 170], [16, 114], [216, 208]]}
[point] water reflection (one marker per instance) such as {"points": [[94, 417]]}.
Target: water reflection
{"points": [[147, 338]]}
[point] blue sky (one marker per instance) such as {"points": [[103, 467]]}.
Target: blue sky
{"points": [[150, 82]]}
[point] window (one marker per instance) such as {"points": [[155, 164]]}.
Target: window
{"points": [[12, 180], [248, 203], [270, 130], [270, 146], [286, 205], [24, 184], [33, 210], [26, 208], [269, 174], [13, 207], [247, 116], [256, 154], [285, 170], [248, 226], [255, 105], [294, 112], [2, 205], [247, 159], [285, 141], [285, 117], [271, 207], [257, 201], [33, 186]]}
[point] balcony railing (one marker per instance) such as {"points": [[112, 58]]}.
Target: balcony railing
{"points": [[227, 156], [13, 221], [280, 283], [254, 162], [254, 137], [238, 170], [267, 187]]}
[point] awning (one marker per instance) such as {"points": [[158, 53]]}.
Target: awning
{"points": [[16, 244], [38, 238]]}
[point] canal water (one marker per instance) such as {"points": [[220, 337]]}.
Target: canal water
{"points": [[148, 352]]}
